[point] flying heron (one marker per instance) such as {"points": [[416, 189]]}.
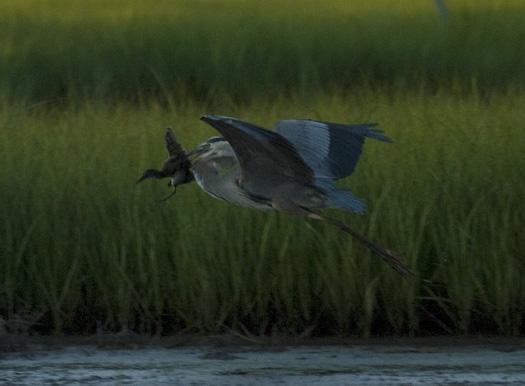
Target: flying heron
{"points": [[292, 170]]}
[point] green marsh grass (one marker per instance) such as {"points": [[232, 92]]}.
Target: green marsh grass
{"points": [[84, 248], [87, 89], [62, 51]]}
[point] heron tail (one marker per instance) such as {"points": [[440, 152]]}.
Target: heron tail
{"points": [[388, 256]]}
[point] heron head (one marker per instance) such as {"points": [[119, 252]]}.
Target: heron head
{"points": [[151, 173], [209, 147], [199, 152]]}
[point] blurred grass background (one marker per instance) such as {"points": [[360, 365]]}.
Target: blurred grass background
{"points": [[122, 49], [87, 88]]}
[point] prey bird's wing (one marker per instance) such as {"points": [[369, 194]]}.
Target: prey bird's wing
{"points": [[177, 166], [265, 156], [173, 147], [331, 150]]}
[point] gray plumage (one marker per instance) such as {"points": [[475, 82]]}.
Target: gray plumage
{"points": [[217, 170], [331, 150], [298, 165], [271, 170], [293, 170]]}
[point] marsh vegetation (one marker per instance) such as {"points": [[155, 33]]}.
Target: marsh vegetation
{"points": [[85, 95]]}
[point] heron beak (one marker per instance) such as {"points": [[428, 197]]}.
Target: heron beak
{"points": [[194, 154]]}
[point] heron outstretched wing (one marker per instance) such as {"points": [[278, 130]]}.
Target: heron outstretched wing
{"points": [[173, 147], [265, 156], [331, 150]]}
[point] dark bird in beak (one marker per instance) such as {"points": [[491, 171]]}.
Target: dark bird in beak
{"points": [[176, 167]]}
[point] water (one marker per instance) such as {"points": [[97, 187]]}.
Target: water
{"points": [[252, 365]]}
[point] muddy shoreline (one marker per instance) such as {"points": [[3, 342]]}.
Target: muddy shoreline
{"points": [[110, 359], [128, 340]]}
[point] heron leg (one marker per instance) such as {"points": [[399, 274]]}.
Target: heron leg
{"points": [[388, 256], [289, 207]]}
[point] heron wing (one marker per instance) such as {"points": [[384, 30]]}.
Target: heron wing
{"points": [[173, 147], [264, 156], [331, 150]]}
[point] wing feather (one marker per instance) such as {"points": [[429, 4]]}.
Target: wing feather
{"points": [[330, 149], [172, 146], [267, 159]]}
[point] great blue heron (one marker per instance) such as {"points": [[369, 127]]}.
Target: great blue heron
{"points": [[293, 170]]}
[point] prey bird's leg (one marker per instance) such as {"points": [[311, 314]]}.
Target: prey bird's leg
{"points": [[168, 196], [390, 258]]}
